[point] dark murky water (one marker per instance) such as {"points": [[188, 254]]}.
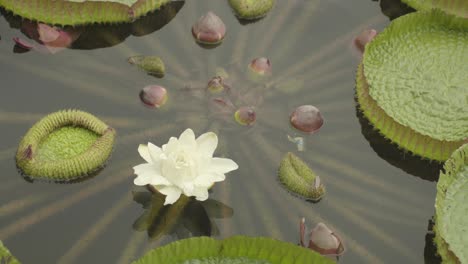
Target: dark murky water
{"points": [[378, 199]]}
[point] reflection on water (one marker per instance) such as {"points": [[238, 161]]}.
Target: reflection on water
{"points": [[185, 218], [414, 165], [101, 36], [394, 8]]}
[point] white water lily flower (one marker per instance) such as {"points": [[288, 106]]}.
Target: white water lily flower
{"points": [[183, 166]]}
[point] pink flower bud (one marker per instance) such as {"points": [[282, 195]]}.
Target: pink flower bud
{"points": [[245, 115], [209, 29], [153, 96], [306, 118]]}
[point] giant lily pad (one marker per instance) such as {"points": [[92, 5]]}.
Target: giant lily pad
{"points": [[234, 250], [78, 12], [415, 100], [452, 209], [65, 146], [456, 7]]}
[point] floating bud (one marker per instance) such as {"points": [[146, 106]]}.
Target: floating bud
{"points": [[299, 178], [215, 85], [209, 29], [325, 241], [259, 69], [153, 65], [363, 38], [153, 96], [221, 72], [245, 115], [307, 118]]}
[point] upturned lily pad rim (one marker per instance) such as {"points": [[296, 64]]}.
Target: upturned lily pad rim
{"points": [[6, 256], [455, 7], [70, 169], [255, 248], [455, 168], [65, 13], [402, 136], [422, 92]]}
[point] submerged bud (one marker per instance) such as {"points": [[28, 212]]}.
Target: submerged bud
{"points": [[245, 115], [259, 69], [209, 29], [153, 65], [215, 85], [325, 241], [307, 118], [153, 96]]}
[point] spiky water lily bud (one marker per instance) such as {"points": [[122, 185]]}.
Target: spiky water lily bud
{"points": [[153, 65], [209, 29], [153, 96], [245, 115], [325, 241], [300, 179], [307, 118], [251, 9], [215, 85]]}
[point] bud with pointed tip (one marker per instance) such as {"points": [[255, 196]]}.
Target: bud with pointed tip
{"points": [[209, 29], [153, 96], [307, 118], [245, 115]]}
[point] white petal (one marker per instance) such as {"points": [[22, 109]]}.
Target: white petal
{"points": [[159, 180], [144, 153], [201, 194], [154, 152], [143, 168], [207, 143], [142, 179], [207, 180], [172, 194], [221, 165], [187, 138], [171, 146]]}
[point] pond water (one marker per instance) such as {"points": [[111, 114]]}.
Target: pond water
{"points": [[379, 199]]}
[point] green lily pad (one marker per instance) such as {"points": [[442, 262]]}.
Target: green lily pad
{"points": [[452, 209], [78, 12], [6, 257], [251, 9], [455, 7], [237, 249], [422, 98], [65, 146], [299, 178]]}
